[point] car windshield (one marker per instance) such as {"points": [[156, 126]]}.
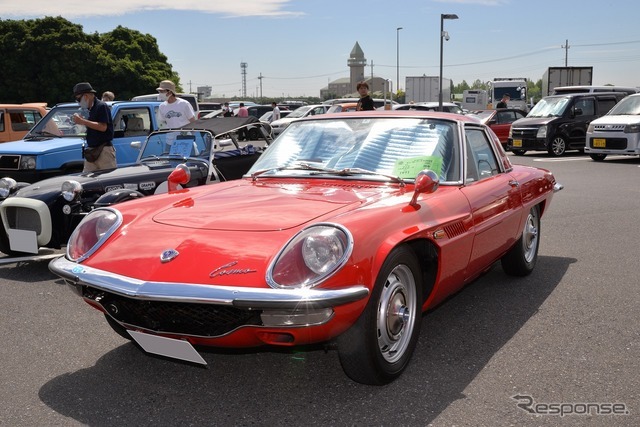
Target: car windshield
{"points": [[549, 107], [629, 106], [398, 147], [177, 144], [299, 112], [58, 123], [482, 115]]}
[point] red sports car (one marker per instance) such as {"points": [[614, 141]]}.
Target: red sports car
{"points": [[347, 228], [499, 120]]}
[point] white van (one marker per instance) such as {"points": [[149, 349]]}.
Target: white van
{"points": [[193, 100]]}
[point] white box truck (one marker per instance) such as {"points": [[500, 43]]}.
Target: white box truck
{"points": [[565, 76], [427, 89]]}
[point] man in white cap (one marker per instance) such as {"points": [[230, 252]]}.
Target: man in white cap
{"points": [[174, 112]]}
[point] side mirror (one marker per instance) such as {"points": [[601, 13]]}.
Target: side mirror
{"points": [[577, 111], [427, 182]]}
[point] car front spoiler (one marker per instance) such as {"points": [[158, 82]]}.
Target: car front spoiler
{"points": [[241, 297]]}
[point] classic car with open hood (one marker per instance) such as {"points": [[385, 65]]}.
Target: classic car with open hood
{"points": [[346, 229]]}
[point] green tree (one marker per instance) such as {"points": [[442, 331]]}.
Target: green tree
{"points": [[44, 58]]}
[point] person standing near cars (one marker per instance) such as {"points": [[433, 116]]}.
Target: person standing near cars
{"points": [[174, 112], [226, 110], [243, 113], [99, 152], [275, 115], [365, 102], [108, 96], [504, 101]]}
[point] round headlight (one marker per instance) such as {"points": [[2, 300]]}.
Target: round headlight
{"points": [[311, 256], [27, 162], [92, 232], [7, 186], [71, 190]]}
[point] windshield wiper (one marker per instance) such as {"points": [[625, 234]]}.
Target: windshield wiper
{"points": [[43, 133], [360, 171], [318, 170]]}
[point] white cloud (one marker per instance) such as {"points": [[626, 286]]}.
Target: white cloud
{"points": [[83, 8]]}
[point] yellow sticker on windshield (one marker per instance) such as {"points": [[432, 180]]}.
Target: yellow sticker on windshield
{"points": [[409, 168]]}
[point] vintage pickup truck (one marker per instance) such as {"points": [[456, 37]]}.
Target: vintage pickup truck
{"points": [[54, 145]]}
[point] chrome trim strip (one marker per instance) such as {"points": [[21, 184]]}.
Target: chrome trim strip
{"points": [[248, 298]]}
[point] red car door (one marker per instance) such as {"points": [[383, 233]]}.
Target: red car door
{"points": [[495, 200]]}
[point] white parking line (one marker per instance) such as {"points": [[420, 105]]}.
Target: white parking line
{"points": [[574, 159]]}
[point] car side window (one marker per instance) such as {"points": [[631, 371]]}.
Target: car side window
{"points": [[132, 122], [587, 105], [604, 105], [481, 160]]}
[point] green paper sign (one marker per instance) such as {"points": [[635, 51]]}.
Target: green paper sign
{"points": [[409, 168]]}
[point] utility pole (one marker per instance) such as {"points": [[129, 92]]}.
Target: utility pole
{"points": [[260, 78], [243, 68], [566, 52]]}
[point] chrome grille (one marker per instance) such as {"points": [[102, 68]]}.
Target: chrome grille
{"points": [[609, 128]]}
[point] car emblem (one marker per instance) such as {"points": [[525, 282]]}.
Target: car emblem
{"points": [[168, 255]]}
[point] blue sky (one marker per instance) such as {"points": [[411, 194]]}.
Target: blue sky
{"points": [[298, 46]]}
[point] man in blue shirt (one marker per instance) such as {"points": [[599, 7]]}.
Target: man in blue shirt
{"points": [[99, 152]]}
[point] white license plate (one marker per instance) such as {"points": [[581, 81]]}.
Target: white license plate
{"points": [[169, 347], [23, 241]]}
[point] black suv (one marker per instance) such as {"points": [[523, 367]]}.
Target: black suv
{"points": [[558, 123]]}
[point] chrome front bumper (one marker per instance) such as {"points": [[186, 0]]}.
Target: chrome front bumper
{"points": [[248, 298]]}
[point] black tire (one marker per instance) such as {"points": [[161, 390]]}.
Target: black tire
{"points": [[254, 134], [118, 328], [5, 245], [378, 347], [519, 152], [522, 257], [557, 146], [598, 157]]}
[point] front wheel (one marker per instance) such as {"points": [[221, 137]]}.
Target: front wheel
{"points": [[378, 347], [522, 257], [558, 146], [519, 152], [598, 157]]}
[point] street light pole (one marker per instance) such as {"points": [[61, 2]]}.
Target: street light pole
{"points": [[442, 36], [397, 58]]}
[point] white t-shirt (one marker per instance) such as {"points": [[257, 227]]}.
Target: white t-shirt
{"points": [[175, 115], [276, 114]]}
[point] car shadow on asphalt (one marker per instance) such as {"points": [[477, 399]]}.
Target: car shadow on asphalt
{"points": [[264, 387]]}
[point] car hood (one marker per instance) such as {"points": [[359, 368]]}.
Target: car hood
{"points": [[261, 207], [39, 146], [616, 120], [532, 121], [95, 180]]}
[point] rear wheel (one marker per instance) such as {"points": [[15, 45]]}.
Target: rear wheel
{"points": [[254, 134], [558, 146], [522, 257], [378, 347], [598, 157]]}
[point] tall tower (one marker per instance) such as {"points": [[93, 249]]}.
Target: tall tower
{"points": [[243, 69], [356, 63]]}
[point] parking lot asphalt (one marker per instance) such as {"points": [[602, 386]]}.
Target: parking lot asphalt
{"points": [[536, 351]]}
